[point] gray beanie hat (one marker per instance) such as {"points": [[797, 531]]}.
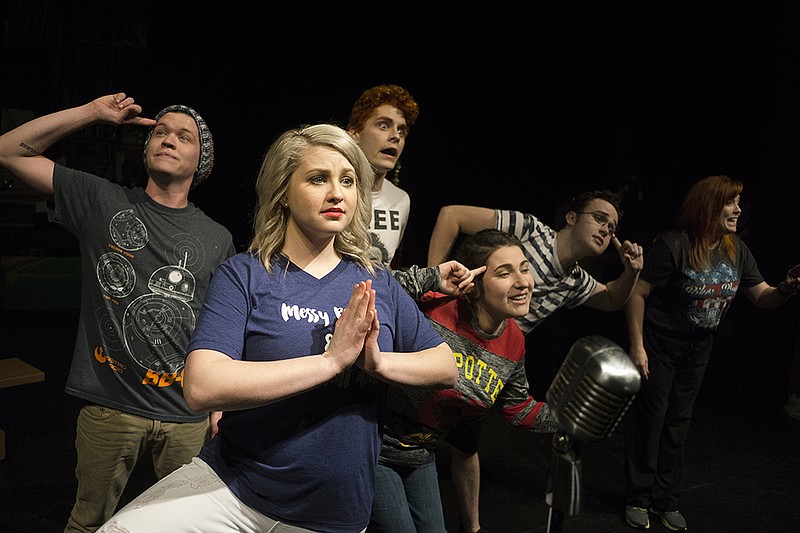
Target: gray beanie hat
{"points": [[206, 142]]}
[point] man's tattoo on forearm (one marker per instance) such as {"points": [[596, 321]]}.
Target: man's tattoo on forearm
{"points": [[30, 148]]}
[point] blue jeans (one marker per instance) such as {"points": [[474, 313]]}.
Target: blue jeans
{"points": [[407, 500]]}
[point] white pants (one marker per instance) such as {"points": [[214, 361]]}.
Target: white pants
{"points": [[193, 499]]}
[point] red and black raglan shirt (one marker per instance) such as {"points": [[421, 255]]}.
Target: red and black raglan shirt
{"points": [[491, 370]]}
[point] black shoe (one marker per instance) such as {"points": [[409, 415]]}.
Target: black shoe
{"points": [[672, 520], [637, 517]]}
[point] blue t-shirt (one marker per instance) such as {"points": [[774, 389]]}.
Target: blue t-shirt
{"points": [[308, 460]]}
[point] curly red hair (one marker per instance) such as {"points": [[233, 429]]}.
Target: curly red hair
{"points": [[394, 95]]}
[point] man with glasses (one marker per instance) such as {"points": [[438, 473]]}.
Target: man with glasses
{"points": [[589, 227]]}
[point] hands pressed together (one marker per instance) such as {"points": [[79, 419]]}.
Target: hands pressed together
{"points": [[355, 337]]}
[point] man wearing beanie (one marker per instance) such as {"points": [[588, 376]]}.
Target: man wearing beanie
{"points": [[147, 258]]}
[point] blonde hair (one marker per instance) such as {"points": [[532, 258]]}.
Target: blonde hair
{"points": [[280, 162]]}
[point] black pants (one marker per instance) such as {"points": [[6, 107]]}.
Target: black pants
{"points": [[658, 422]]}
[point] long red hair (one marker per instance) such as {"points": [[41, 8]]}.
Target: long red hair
{"points": [[699, 215]]}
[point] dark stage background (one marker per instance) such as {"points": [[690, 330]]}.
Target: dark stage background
{"points": [[523, 105]]}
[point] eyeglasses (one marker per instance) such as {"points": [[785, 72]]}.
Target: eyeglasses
{"points": [[602, 219]]}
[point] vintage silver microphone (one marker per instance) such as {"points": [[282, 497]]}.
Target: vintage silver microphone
{"points": [[595, 385]]}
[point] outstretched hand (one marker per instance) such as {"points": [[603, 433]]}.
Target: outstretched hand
{"points": [[456, 279], [631, 254], [120, 109], [793, 278]]}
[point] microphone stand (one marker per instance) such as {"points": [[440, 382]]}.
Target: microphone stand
{"points": [[593, 388], [563, 482]]}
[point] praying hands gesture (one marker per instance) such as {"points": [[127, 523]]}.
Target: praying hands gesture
{"points": [[357, 323]]}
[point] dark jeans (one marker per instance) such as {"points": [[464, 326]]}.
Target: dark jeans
{"points": [[407, 500], [658, 422]]}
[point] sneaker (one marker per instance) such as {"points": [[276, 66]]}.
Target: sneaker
{"points": [[637, 517], [672, 520], [462, 530]]}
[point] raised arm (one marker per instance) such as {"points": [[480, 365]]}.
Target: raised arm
{"points": [[451, 278], [615, 294], [452, 220], [416, 280], [21, 149]]}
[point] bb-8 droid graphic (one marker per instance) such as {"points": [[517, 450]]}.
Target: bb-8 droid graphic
{"points": [[156, 326]]}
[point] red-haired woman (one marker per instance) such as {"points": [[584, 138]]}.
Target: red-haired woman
{"points": [[690, 277]]}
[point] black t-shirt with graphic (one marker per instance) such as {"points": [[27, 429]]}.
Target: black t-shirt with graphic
{"points": [[689, 302]]}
